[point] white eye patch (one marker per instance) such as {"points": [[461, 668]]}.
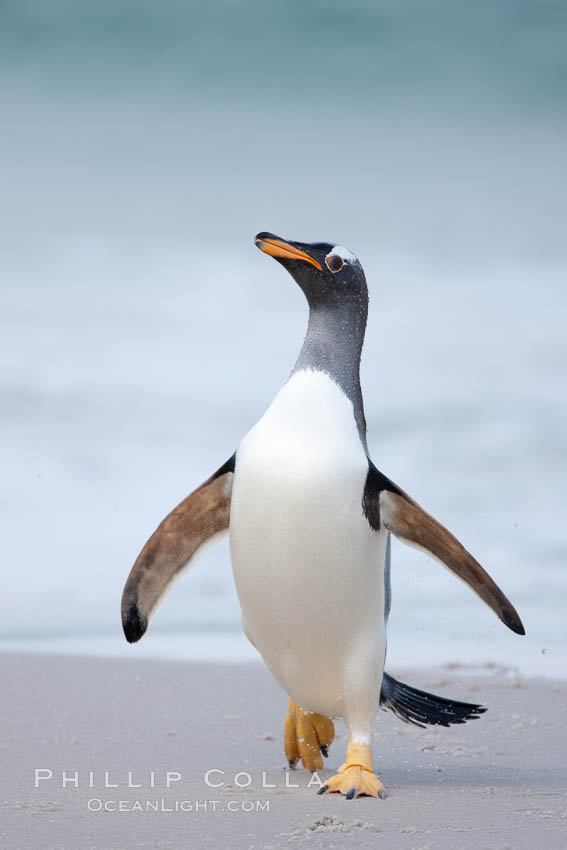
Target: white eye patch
{"points": [[345, 255]]}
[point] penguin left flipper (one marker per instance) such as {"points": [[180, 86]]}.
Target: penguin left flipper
{"points": [[384, 503], [171, 549]]}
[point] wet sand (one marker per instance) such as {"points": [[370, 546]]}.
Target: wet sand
{"points": [[204, 744]]}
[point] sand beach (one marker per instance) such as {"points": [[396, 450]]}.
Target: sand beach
{"points": [[111, 754]]}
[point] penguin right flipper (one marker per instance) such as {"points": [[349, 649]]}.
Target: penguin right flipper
{"points": [[385, 504], [423, 709], [204, 514]]}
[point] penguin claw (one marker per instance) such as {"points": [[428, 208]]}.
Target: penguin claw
{"points": [[322, 789], [325, 750], [382, 794], [350, 793]]}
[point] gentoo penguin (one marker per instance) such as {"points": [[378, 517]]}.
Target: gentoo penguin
{"points": [[309, 518]]}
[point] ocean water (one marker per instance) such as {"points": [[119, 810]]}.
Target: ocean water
{"points": [[142, 334]]}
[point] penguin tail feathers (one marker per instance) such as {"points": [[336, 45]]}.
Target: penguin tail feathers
{"points": [[422, 709]]}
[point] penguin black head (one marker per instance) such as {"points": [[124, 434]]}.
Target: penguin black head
{"points": [[328, 274]]}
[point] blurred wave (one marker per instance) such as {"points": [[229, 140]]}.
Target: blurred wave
{"points": [[368, 48]]}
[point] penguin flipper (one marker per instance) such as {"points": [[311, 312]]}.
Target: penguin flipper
{"points": [[385, 503], [172, 547], [423, 709]]}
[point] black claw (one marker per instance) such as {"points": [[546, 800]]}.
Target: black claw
{"points": [[350, 793], [322, 789], [325, 750], [291, 764], [382, 794]]}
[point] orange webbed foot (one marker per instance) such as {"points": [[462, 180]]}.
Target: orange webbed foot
{"points": [[307, 736], [355, 777]]}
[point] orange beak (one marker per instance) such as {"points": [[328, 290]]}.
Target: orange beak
{"points": [[277, 248]]}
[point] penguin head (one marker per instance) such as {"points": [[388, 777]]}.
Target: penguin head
{"points": [[328, 274]]}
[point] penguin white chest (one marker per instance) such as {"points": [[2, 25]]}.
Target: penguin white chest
{"points": [[308, 568]]}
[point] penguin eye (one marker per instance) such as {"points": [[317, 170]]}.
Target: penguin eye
{"points": [[334, 263]]}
